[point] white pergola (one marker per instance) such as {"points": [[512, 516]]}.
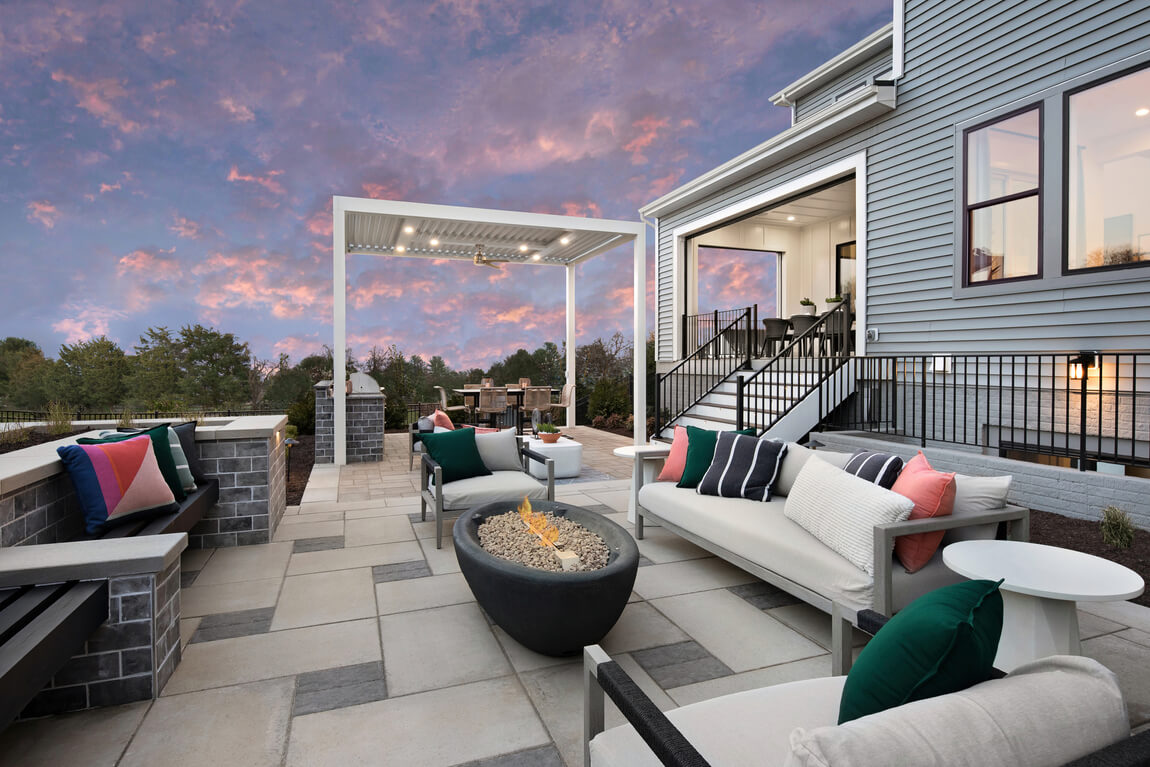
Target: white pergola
{"points": [[419, 230]]}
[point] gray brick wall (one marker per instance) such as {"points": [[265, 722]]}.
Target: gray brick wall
{"points": [[252, 492], [1072, 493], [365, 427], [44, 512], [130, 657]]}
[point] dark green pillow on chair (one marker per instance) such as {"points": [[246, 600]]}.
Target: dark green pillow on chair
{"points": [[456, 452], [161, 446], [942, 642], [700, 453]]}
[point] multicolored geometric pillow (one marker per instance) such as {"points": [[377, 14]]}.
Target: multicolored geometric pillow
{"points": [[160, 445], [117, 481], [183, 470]]}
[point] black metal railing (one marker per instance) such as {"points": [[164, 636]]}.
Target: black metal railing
{"points": [[700, 330], [1089, 407], [800, 367], [700, 372], [32, 416]]}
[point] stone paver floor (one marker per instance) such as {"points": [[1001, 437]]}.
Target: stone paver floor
{"points": [[351, 640]]}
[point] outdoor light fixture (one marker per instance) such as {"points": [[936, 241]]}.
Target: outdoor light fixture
{"points": [[1081, 365], [409, 229], [1142, 112], [399, 249], [564, 240], [522, 248], [289, 443], [790, 218], [434, 242], [536, 257]]}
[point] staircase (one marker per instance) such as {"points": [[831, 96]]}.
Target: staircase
{"points": [[783, 397]]}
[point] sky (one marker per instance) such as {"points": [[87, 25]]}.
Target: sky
{"points": [[169, 163]]}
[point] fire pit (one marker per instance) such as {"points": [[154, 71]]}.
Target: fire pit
{"points": [[553, 613]]}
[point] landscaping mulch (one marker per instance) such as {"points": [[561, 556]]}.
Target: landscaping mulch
{"points": [[1085, 536], [33, 438], [301, 459]]}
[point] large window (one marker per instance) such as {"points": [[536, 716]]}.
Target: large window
{"points": [[1003, 198], [738, 277], [1108, 173]]}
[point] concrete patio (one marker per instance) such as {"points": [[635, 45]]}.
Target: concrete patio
{"points": [[351, 640]]}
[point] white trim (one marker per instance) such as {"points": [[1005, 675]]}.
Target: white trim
{"points": [[864, 49], [898, 42], [854, 109], [639, 351], [569, 371], [339, 323], [854, 164]]}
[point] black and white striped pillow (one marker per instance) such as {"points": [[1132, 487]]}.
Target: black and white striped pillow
{"points": [[880, 468], [743, 467]]}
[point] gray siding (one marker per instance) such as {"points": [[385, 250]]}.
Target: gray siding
{"points": [[808, 104], [962, 61]]}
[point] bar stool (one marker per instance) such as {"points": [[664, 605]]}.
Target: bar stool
{"points": [[802, 323]]}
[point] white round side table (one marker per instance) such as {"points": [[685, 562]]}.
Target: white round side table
{"points": [[1039, 595], [646, 469]]}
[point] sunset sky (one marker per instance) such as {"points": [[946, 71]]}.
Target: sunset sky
{"points": [[166, 163]]}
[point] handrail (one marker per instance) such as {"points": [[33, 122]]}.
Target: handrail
{"points": [[683, 390], [775, 383], [696, 327]]}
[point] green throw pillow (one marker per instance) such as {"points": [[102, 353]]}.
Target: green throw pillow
{"points": [[456, 452], [161, 446], [942, 642], [700, 453]]}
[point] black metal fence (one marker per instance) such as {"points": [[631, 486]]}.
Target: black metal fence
{"points": [[31, 416], [1085, 406], [701, 330]]}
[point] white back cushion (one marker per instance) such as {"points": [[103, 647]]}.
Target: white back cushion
{"points": [[499, 450], [841, 510]]}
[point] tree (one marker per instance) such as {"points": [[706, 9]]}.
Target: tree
{"points": [[260, 373], [93, 373], [13, 353], [289, 384], [215, 367], [551, 363], [156, 370], [34, 383]]}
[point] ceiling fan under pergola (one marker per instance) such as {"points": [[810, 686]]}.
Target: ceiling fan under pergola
{"points": [[481, 260]]}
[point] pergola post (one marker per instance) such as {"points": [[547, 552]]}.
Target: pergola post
{"points": [[339, 320], [639, 354], [569, 375]]}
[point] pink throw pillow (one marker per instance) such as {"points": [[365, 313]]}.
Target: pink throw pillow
{"points": [[933, 495], [440, 418], [677, 460]]}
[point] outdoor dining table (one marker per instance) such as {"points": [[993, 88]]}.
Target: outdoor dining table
{"points": [[512, 391]]}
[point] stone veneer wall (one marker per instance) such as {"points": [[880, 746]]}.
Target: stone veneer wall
{"points": [[1072, 493], [365, 426], [43, 512], [130, 657], [253, 492]]}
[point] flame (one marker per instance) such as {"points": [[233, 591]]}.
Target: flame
{"points": [[537, 523]]}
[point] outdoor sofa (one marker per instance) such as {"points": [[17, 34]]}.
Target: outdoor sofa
{"points": [[757, 537]]}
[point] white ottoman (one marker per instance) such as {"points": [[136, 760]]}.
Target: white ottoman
{"points": [[567, 453]]}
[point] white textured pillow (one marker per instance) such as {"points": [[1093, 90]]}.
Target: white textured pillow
{"points": [[842, 510], [972, 495], [499, 450], [1048, 712]]}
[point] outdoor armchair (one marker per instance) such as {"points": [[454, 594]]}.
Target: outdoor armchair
{"points": [[502, 484]]}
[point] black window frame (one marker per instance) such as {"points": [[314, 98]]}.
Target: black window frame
{"points": [[1067, 271], [967, 208]]}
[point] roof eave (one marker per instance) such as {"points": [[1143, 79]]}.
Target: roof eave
{"points": [[848, 59], [859, 107]]}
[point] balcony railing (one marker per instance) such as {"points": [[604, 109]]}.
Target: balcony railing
{"points": [[700, 330], [1090, 407]]}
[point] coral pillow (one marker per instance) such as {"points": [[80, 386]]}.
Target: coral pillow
{"points": [[117, 481], [440, 418], [677, 460], [933, 495]]}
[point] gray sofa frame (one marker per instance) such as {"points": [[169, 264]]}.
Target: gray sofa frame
{"points": [[842, 619]]}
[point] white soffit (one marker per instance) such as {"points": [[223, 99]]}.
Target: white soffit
{"points": [[417, 230], [864, 49]]}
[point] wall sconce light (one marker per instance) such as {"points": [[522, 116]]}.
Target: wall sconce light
{"points": [[1081, 365]]}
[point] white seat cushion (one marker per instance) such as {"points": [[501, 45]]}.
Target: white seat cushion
{"points": [[760, 533], [745, 728], [497, 486]]}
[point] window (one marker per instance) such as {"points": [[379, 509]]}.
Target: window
{"points": [[1003, 198], [1108, 173], [738, 277]]}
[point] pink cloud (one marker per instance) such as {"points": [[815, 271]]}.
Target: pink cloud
{"points": [[105, 188], [648, 127], [268, 182], [98, 97], [239, 112], [86, 322], [186, 228], [153, 262], [43, 212]]}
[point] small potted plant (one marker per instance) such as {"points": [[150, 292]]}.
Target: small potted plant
{"points": [[833, 302], [808, 306], [549, 433]]}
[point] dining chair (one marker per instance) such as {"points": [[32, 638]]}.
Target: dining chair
{"points": [[775, 329], [492, 403], [487, 382], [450, 408], [524, 383], [566, 397], [534, 398], [802, 323]]}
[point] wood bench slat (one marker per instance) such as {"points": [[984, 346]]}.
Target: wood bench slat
{"points": [[26, 607], [34, 653]]}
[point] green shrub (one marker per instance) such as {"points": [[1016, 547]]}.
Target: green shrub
{"points": [[609, 396], [59, 418], [14, 434], [1117, 528], [127, 419], [301, 414], [291, 431]]}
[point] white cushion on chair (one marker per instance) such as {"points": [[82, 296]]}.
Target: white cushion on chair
{"points": [[497, 486], [499, 450]]}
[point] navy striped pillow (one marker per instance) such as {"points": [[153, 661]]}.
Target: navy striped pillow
{"points": [[880, 468], [743, 467]]}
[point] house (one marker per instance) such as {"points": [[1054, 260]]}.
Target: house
{"points": [[975, 175]]}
